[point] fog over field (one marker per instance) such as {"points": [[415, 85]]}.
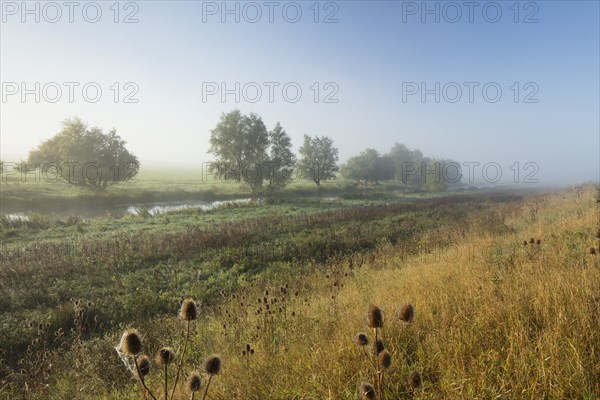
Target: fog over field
{"points": [[488, 82]]}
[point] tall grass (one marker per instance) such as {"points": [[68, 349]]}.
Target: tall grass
{"points": [[498, 322], [491, 318]]}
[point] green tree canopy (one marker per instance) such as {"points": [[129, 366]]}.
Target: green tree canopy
{"points": [[318, 158], [404, 165], [281, 158], [85, 157], [246, 152], [240, 144], [369, 166]]}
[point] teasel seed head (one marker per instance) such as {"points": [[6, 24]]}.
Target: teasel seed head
{"points": [[532, 240], [406, 313], [212, 365], [131, 342], [384, 359], [414, 380], [375, 316], [538, 241], [361, 339], [367, 391], [165, 356], [524, 242], [378, 346], [194, 382], [189, 310], [593, 251], [144, 365]]}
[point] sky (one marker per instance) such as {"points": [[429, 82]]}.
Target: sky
{"points": [[511, 85]]}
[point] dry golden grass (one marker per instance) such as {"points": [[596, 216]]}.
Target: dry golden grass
{"points": [[493, 318]]}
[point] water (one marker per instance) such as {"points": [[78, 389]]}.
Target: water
{"points": [[164, 208], [151, 209], [16, 217]]}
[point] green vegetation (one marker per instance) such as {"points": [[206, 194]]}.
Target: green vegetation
{"points": [[282, 286], [84, 157], [318, 159], [246, 152], [408, 167]]}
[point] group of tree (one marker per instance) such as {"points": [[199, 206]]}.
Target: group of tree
{"points": [[245, 151], [400, 164]]}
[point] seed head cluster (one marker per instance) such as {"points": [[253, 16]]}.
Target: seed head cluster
{"points": [[375, 316], [165, 356], [406, 313], [194, 382], [384, 359], [143, 365], [131, 342], [212, 365], [367, 391], [189, 310], [414, 380], [361, 339]]}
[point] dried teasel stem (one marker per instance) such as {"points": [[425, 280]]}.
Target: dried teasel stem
{"points": [[377, 372], [207, 385], [141, 378], [384, 361], [165, 357], [194, 384], [185, 342]]}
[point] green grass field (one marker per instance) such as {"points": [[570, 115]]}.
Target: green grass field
{"points": [[494, 317]]}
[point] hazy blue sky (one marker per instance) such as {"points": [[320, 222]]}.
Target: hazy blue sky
{"points": [[370, 57]]}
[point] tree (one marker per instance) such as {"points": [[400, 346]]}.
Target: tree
{"points": [[435, 175], [318, 158], [369, 166], [281, 163], [85, 157], [240, 145], [407, 164]]}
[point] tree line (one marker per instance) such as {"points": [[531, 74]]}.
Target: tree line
{"points": [[247, 152], [244, 151]]}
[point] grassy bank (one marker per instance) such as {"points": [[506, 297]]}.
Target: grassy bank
{"points": [[494, 317]]}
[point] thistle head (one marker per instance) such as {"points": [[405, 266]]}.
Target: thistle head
{"points": [[384, 359], [143, 365], [361, 339], [414, 380], [165, 356], [194, 382], [406, 313], [367, 391], [378, 346], [212, 365], [189, 310], [375, 316], [131, 342]]}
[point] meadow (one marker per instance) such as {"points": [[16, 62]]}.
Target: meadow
{"points": [[504, 288]]}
